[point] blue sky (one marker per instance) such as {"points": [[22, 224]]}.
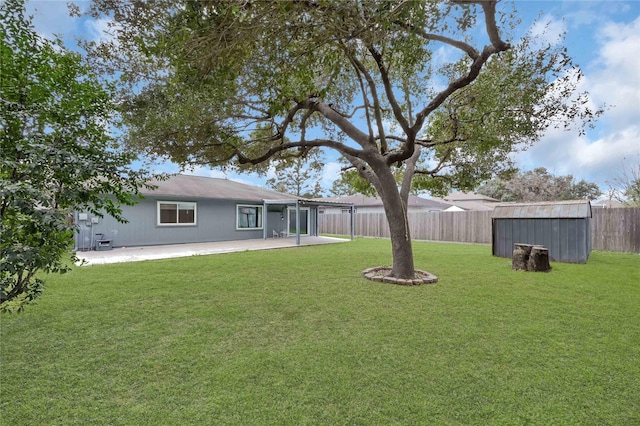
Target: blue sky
{"points": [[603, 37]]}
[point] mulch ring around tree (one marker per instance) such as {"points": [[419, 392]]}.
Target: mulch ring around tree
{"points": [[380, 274]]}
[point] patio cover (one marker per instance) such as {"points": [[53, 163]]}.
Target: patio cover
{"points": [[302, 202]]}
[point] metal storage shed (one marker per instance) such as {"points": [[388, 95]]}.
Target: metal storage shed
{"points": [[564, 227]]}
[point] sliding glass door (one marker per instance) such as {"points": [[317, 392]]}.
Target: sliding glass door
{"points": [[304, 221]]}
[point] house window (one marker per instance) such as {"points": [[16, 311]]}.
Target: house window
{"points": [[174, 213], [249, 217]]}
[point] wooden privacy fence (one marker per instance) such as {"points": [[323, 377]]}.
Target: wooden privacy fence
{"points": [[611, 229], [616, 229]]}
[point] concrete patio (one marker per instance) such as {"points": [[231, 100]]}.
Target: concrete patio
{"points": [[134, 254]]}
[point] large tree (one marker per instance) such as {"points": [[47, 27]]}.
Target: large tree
{"points": [[431, 87], [625, 187], [539, 185], [55, 154], [299, 176]]}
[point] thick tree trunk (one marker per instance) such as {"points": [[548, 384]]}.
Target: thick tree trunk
{"points": [[395, 208], [401, 247], [396, 212]]}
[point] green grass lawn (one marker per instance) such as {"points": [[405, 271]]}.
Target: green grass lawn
{"points": [[296, 336]]}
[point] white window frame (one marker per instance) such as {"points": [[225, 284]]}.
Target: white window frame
{"points": [[260, 215], [177, 203]]}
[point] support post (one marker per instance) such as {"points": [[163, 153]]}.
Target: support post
{"points": [[264, 220], [297, 222], [353, 222]]}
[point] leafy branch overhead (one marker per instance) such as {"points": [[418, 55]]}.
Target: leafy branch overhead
{"points": [[56, 154], [334, 74], [431, 87], [298, 176]]}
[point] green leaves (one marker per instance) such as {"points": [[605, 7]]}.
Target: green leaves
{"points": [[239, 84], [539, 185], [56, 154]]}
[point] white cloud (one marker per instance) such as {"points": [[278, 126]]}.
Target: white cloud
{"points": [[595, 160], [613, 78], [99, 29], [616, 78], [548, 30], [50, 17], [330, 172], [271, 171]]}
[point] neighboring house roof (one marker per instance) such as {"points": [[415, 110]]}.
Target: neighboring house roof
{"points": [[469, 201], [364, 201], [206, 187], [469, 196], [472, 205], [544, 209], [607, 204]]}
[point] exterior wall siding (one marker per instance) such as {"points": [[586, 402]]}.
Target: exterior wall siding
{"points": [[568, 240], [215, 221]]}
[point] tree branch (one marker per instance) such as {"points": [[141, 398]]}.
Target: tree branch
{"points": [[465, 47], [497, 45], [408, 175], [342, 148], [376, 102], [388, 88]]}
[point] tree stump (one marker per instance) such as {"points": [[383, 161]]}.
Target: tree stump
{"points": [[520, 257], [539, 260]]}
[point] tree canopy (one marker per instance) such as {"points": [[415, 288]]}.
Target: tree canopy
{"points": [[625, 187], [430, 87], [298, 176], [539, 185], [55, 154]]}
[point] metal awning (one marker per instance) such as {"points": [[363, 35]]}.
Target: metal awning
{"points": [[303, 202], [307, 202]]}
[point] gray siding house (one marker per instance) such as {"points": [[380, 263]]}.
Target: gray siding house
{"points": [[194, 209]]}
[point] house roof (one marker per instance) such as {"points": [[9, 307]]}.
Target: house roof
{"points": [[607, 204], [470, 201], [360, 200], [473, 206], [187, 186], [469, 196], [549, 209], [206, 187]]}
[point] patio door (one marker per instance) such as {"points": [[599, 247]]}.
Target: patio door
{"points": [[304, 221]]}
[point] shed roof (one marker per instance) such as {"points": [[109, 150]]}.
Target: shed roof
{"points": [[547, 209]]}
